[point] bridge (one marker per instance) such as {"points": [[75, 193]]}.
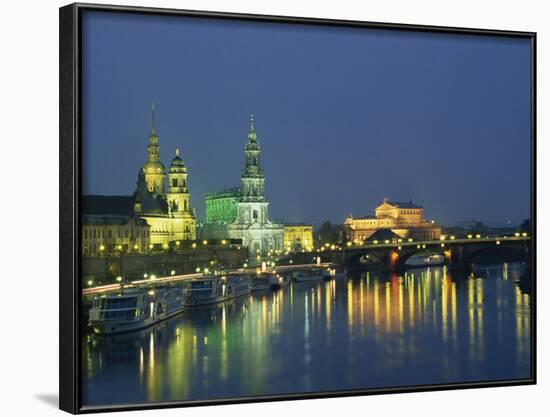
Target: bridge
{"points": [[458, 253]]}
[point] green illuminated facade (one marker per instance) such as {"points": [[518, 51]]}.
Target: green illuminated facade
{"points": [[221, 207]]}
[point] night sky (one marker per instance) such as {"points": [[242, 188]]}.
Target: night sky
{"points": [[345, 117]]}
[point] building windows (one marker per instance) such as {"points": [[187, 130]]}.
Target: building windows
{"points": [[174, 182]]}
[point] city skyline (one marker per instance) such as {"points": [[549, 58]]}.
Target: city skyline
{"points": [[448, 177]]}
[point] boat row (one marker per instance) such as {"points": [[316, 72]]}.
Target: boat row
{"points": [[137, 308]]}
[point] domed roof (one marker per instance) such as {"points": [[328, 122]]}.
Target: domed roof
{"points": [[177, 162], [153, 167]]}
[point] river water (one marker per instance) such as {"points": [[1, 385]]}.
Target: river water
{"points": [[372, 330]]}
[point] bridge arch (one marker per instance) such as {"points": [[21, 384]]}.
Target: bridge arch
{"points": [[498, 252]]}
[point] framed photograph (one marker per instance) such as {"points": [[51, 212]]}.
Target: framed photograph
{"points": [[259, 208]]}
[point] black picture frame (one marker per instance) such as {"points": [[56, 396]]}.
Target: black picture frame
{"points": [[70, 192]]}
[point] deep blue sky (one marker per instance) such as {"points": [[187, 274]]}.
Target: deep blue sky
{"points": [[345, 116]]}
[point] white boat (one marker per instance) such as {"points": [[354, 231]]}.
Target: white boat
{"points": [[260, 282], [134, 309], [333, 272], [212, 289], [307, 275], [278, 281]]}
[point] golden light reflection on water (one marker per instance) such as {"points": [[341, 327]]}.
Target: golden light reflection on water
{"points": [[273, 340]]}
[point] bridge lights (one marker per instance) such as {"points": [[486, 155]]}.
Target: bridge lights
{"points": [[478, 236], [118, 279], [517, 234], [442, 237], [399, 248], [443, 245], [417, 246], [348, 244], [172, 272], [469, 236], [498, 242], [410, 239], [90, 283], [423, 246], [524, 234], [452, 238]]}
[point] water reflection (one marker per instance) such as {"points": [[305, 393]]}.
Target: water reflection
{"points": [[371, 330]]}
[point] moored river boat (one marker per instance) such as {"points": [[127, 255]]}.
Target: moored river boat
{"points": [[134, 309], [212, 289]]}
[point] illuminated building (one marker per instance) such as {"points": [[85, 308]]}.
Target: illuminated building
{"points": [[404, 219], [160, 199], [103, 234], [242, 213], [298, 236], [164, 206]]}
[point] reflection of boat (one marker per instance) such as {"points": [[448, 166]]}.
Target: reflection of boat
{"points": [[134, 309], [212, 289], [307, 275], [261, 282]]}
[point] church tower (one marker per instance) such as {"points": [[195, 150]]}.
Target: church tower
{"points": [[252, 178], [178, 193], [184, 224], [252, 207], [153, 168]]}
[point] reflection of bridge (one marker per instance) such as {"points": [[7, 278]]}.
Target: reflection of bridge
{"points": [[458, 253]]}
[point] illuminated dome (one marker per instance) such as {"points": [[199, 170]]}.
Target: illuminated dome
{"points": [[153, 167]]}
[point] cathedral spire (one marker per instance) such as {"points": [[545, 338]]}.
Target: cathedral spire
{"points": [[251, 122], [153, 121], [251, 131]]}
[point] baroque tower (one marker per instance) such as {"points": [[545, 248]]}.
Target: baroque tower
{"points": [[178, 193], [253, 206], [153, 168], [252, 178]]}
